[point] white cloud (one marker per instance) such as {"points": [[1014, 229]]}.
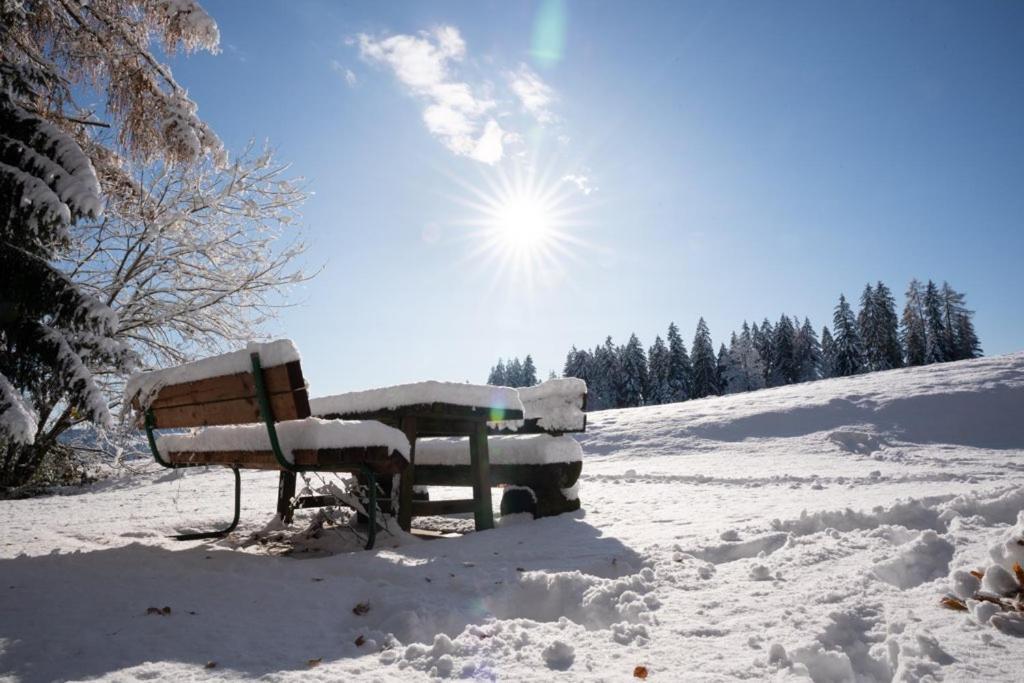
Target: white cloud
{"points": [[453, 112], [534, 94], [581, 182], [346, 73]]}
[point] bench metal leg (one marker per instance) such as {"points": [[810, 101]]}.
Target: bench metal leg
{"points": [[234, 522], [371, 509], [285, 494]]}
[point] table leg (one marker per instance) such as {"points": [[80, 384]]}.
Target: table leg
{"points": [[285, 493], [405, 486], [480, 472]]}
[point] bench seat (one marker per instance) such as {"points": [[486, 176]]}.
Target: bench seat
{"points": [[309, 444]]}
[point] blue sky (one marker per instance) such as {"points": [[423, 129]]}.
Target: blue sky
{"points": [[731, 160]]}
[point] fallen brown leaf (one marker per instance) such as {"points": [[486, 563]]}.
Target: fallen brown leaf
{"points": [[165, 610], [361, 609], [210, 665], [1018, 571], [949, 602], [360, 640], [640, 672], [978, 574], [314, 662]]}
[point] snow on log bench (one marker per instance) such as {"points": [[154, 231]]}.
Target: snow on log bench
{"points": [[539, 471], [557, 406], [249, 409], [472, 397]]}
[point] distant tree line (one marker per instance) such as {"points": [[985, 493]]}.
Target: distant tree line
{"points": [[935, 327], [514, 373]]}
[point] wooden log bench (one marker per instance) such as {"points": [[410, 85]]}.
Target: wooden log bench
{"points": [[533, 459], [250, 410]]}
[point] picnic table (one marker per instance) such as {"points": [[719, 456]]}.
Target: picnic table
{"points": [[434, 409]]}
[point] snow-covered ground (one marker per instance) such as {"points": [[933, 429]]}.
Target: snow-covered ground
{"points": [[807, 531]]}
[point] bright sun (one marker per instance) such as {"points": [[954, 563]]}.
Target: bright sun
{"points": [[524, 227], [523, 223]]}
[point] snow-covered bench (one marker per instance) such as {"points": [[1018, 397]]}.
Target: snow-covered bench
{"points": [[533, 459], [250, 409]]}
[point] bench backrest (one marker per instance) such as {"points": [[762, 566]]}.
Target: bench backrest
{"points": [[557, 406], [228, 399]]}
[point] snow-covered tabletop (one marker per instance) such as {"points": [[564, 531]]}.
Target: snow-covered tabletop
{"points": [[484, 397], [552, 406]]}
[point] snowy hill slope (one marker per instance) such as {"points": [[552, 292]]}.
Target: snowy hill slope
{"points": [[805, 532]]}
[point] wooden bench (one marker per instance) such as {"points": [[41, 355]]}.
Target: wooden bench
{"points": [[534, 459], [258, 417]]}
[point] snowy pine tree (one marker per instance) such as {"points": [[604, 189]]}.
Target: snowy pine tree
{"points": [[680, 370], [785, 369], [705, 363], [633, 362], [51, 333], [721, 366], [658, 373], [914, 331], [828, 353], [808, 353], [879, 329], [764, 340], [936, 347], [529, 372], [744, 370], [497, 376], [847, 351], [958, 330]]}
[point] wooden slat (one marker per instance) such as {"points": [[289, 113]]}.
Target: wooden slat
{"points": [[561, 474], [422, 508], [238, 411], [259, 460], [279, 379], [446, 411], [378, 458]]}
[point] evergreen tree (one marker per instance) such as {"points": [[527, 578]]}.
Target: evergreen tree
{"points": [[51, 332], [529, 373], [808, 353], [634, 373], [497, 376], [960, 338], [658, 373], [744, 370], [879, 329], [514, 373], [606, 372], [936, 348], [785, 369], [705, 364], [890, 352], [828, 354], [914, 334], [722, 364], [680, 370], [848, 353], [577, 364], [764, 340]]}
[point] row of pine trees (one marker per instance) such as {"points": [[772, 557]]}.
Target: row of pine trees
{"points": [[514, 373], [935, 327]]}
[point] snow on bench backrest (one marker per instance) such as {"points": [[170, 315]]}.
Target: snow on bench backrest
{"points": [[221, 390], [555, 406]]}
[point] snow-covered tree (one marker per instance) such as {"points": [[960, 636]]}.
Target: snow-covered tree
{"points": [[604, 389], [529, 373], [721, 366], [680, 370], [705, 363], [658, 373], [497, 375], [808, 353], [577, 364], [937, 349], [914, 331], [785, 369], [958, 331], [764, 341], [514, 373], [744, 371], [848, 353], [633, 364], [879, 329], [828, 353]]}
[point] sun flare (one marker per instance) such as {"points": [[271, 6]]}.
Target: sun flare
{"points": [[523, 222]]}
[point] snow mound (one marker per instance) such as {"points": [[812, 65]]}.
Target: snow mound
{"points": [[926, 558]]}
